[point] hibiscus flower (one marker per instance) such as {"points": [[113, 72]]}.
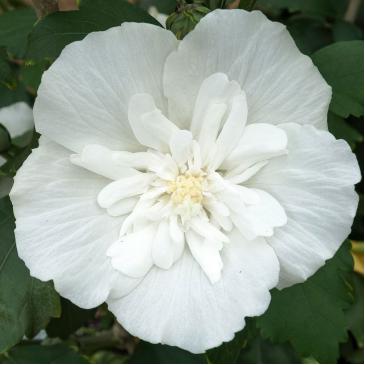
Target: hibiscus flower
{"points": [[181, 181]]}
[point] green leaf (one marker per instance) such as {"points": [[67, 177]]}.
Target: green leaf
{"points": [[15, 26], [10, 95], [311, 315], [5, 69], [355, 314], [4, 139], [228, 352], [345, 31], [323, 8], [72, 318], [55, 31], [31, 74], [26, 304], [341, 129], [310, 34], [17, 155], [162, 354], [49, 354], [261, 351], [341, 64]]}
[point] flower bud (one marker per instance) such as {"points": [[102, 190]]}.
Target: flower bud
{"points": [[185, 17]]}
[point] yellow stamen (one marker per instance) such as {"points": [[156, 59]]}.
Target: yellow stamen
{"points": [[187, 186]]}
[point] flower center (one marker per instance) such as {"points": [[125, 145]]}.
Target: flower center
{"points": [[187, 187]]}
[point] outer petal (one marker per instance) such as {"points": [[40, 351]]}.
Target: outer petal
{"points": [[314, 184], [83, 98], [61, 233], [180, 307], [281, 84]]}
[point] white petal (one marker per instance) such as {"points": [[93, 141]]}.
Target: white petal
{"points": [[17, 119], [248, 173], [206, 255], [122, 207], [149, 125], [181, 146], [100, 160], [133, 256], [214, 89], [83, 97], [314, 184], [281, 84], [232, 130], [180, 307], [162, 247], [259, 142], [205, 229], [124, 188], [178, 237], [61, 232]]}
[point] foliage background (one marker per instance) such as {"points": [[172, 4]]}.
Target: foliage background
{"points": [[318, 321]]}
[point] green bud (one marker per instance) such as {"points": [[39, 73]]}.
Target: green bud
{"points": [[185, 18]]}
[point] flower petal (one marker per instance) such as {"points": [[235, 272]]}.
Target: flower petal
{"points": [[123, 188], [99, 160], [61, 232], [180, 307], [314, 184], [259, 142], [181, 146], [83, 97], [149, 125], [207, 256], [162, 246], [133, 256], [281, 84]]}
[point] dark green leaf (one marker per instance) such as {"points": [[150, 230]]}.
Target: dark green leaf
{"points": [[5, 69], [261, 351], [4, 139], [310, 34], [55, 31], [72, 318], [311, 315], [162, 354], [341, 129], [355, 314], [10, 95], [323, 8], [31, 74], [344, 31], [228, 352], [247, 4], [16, 156], [341, 64], [15, 26], [38, 354], [26, 304]]}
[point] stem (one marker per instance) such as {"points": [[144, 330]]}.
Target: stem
{"points": [[352, 9]]}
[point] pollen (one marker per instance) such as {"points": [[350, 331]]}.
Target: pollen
{"points": [[187, 187]]}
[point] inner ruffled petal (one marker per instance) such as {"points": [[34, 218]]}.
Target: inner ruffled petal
{"points": [[259, 142], [219, 118], [151, 128]]}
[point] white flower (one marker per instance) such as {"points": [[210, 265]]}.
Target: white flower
{"points": [[181, 181]]}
